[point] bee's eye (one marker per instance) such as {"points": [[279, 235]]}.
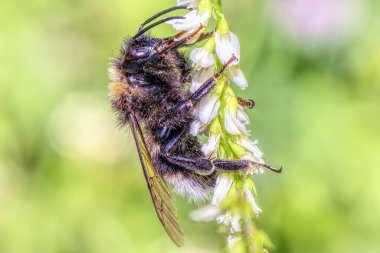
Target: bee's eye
{"points": [[139, 53]]}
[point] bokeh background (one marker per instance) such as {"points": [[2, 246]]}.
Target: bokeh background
{"points": [[70, 180]]}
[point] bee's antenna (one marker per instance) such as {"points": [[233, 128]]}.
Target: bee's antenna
{"points": [[140, 32], [160, 14]]}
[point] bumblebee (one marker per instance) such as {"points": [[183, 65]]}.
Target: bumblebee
{"points": [[149, 94]]}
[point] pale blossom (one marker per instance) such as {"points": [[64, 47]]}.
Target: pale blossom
{"points": [[232, 124], [196, 127], [232, 239], [238, 77], [230, 220], [222, 187], [251, 200], [200, 76], [206, 213], [191, 21], [189, 3], [251, 146], [211, 145], [241, 115], [226, 46], [208, 108], [202, 56]]}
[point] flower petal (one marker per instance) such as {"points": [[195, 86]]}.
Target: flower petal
{"points": [[229, 124], [191, 21], [232, 239], [230, 220], [211, 145], [202, 56], [189, 3], [235, 225], [235, 43], [241, 115], [251, 147], [251, 200], [208, 108], [232, 124], [223, 185], [201, 76], [227, 45], [195, 127], [238, 77], [206, 213]]}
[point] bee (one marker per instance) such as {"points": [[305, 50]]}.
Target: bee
{"points": [[149, 94]]}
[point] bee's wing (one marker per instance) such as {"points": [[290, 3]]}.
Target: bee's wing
{"points": [[163, 199]]}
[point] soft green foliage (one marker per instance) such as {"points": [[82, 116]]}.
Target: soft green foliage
{"points": [[70, 180]]}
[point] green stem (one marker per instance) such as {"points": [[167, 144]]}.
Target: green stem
{"points": [[218, 4], [218, 10]]}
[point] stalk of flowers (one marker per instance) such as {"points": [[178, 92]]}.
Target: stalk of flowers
{"points": [[223, 120]]}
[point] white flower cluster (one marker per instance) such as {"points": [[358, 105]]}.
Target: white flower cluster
{"points": [[219, 114]]}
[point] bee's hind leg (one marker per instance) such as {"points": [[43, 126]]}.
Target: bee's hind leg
{"points": [[204, 166], [199, 165], [240, 165]]}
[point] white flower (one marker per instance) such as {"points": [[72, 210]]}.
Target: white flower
{"points": [[200, 76], [202, 56], [206, 213], [195, 127], [232, 124], [241, 115], [232, 240], [211, 145], [208, 108], [223, 185], [251, 146], [235, 226], [191, 21], [238, 77], [251, 200], [189, 3], [227, 45], [230, 220]]}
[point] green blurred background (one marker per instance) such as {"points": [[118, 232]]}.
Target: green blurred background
{"points": [[70, 180]]}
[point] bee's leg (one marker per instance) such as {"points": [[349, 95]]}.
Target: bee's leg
{"points": [[205, 36], [199, 165], [246, 103], [205, 166], [240, 165], [178, 40], [205, 88], [173, 139], [202, 37]]}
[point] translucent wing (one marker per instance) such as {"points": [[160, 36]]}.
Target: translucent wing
{"points": [[163, 199]]}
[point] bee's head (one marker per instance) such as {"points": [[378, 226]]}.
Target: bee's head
{"points": [[137, 52]]}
